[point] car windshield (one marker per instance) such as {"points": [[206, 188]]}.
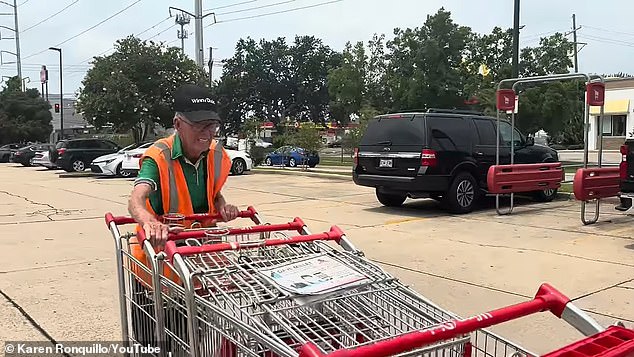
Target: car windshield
{"points": [[393, 131]]}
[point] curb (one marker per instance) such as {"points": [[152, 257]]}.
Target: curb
{"points": [[75, 174], [331, 176]]}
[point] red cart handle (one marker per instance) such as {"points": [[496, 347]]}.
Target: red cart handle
{"points": [[334, 234], [547, 298], [250, 212], [296, 225]]}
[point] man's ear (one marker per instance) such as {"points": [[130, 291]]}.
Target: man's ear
{"points": [[176, 123]]}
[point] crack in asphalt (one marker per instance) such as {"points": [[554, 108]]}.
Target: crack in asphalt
{"points": [[32, 321], [486, 287], [55, 266], [57, 220], [532, 250], [48, 213]]}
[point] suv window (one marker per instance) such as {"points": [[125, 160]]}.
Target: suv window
{"points": [[505, 135], [397, 131], [486, 131], [450, 133]]}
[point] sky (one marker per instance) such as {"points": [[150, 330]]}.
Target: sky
{"points": [[85, 28]]}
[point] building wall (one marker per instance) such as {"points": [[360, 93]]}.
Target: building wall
{"points": [[616, 90]]}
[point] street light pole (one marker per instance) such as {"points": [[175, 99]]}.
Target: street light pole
{"points": [[516, 39], [61, 92]]}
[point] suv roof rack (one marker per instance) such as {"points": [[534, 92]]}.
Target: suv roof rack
{"points": [[454, 111]]}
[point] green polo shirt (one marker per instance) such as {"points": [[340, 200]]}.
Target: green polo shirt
{"points": [[195, 176]]}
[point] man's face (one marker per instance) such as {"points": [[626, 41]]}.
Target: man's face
{"points": [[196, 136]]}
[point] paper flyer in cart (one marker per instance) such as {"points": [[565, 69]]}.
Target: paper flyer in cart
{"points": [[314, 276]]}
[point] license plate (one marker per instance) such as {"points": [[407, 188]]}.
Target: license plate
{"points": [[385, 163]]}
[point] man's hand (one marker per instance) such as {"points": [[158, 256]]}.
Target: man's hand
{"points": [[228, 212], [157, 233]]}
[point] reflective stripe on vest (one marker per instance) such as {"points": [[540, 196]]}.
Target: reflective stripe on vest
{"points": [[173, 197], [217, 162]]}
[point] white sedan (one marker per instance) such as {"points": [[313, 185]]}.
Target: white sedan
{"points": [[112, 164], [130, 164], [240, 161]]}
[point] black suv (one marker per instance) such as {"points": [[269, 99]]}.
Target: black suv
{"points": [[626, 184], [77, 154], [442, 154]]}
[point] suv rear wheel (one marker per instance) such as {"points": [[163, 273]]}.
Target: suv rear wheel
{"points": [[389, 199], [463, 193], [545, 195]]}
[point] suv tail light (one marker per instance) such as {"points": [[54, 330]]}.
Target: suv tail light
{"points": [[428, 158], [356, 156], [61, 151], [623, 164]]}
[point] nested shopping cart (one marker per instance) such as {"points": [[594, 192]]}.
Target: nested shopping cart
{"points": [[278, 290], [136, 263]]}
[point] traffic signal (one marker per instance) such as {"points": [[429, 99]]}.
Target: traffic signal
{"points": [[56, 108]]}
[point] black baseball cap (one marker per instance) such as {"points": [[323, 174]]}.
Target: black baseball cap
{"points": [[196, 103]]}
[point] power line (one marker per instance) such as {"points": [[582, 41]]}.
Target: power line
{"points": [[88, 29], [50, 17], [25, 1], [162, 32], [607, 30], [231, 5], [136, 35], [255, 8], [608, 40], [279, 12], [153, 26]]}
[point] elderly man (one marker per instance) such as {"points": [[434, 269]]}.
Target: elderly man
{"points": [[185, 172]]}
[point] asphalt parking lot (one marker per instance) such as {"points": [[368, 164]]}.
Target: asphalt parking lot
{"points": [[58, 277]]}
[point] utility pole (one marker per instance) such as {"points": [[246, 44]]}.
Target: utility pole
{"points": [[211, 64], [182, 19], [574, 38], [61, 92], [16, 30], [198, 24], [516, 39]]}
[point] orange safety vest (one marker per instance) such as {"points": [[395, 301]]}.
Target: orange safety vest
{"points": [[175, 193]]}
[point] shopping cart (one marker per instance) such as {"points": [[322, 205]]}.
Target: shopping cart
{"points": [[240, 295], [233, 308], [138, 309]]}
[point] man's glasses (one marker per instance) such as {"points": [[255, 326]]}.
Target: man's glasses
{"points": [[209, 125]]}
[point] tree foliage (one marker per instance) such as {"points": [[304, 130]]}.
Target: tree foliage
{"points": [[273, 80], [24, 116], [131, 89]]}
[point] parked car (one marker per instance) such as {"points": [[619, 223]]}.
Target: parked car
{"points": [[130, 163], [442, 154], [42, 158], [291, 156], [26, 154], [7, 150], [77, 154], [240, 161], [112, 164], [626, 185]]}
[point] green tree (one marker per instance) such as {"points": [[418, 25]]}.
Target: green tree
{"points": [[131, 89], [274, 81], [347, 83], [24, 116], [307, 137], [423, 69]]}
